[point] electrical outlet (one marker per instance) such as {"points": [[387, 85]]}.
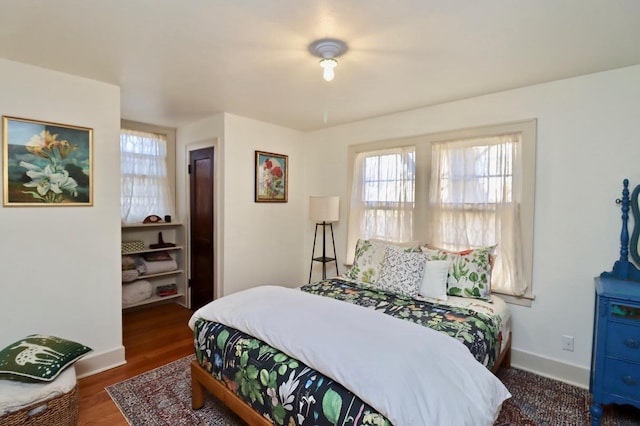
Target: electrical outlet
{"points": [[567, 343]]}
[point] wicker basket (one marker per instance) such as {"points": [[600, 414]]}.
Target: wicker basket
{"points": [[61, 410], [131, 246]]}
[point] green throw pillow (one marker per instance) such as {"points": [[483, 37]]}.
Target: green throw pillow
{"points": [[38, 358]]}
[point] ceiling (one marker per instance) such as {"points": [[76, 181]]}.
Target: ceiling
{"points": [[180, 61]]}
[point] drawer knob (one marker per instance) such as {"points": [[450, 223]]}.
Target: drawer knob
{"points": [[629, 380], [632, 343]]}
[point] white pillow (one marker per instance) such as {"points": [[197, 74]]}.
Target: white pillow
{"points": [[434, 281]]}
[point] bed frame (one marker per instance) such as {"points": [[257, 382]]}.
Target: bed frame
{"points": [[201, 380]]}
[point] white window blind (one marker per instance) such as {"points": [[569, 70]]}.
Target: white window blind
{"points": [[144, 185]]}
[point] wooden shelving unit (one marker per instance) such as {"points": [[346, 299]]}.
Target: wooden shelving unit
{"points": [[148, 234]]}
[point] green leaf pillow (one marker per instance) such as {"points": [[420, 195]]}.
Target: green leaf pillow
{"points": [[38, 358], [470, 271], [369, 256]]}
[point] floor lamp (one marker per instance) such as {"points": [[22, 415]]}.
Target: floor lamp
{"points": [[324, 211]]}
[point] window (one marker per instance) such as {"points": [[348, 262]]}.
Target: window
{"points": [[473, 202], [144, 183], [383, 195], [467, 188]]}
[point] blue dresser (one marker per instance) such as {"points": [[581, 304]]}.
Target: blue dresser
{"points": [[615, 360]]}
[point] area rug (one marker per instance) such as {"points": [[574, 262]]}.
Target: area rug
{"points": [[163, 397]]}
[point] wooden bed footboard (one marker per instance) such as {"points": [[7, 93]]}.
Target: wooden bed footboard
{"points": [[504, 358], [201, 380]]}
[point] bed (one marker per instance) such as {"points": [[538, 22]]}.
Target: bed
{"points": [[312, 355]]}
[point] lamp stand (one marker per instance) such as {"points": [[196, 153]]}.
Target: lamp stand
{"points": [[324, 259]]}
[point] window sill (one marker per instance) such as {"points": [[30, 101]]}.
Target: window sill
{"points": [[525, 300]]}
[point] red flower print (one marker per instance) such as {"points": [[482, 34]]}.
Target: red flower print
{"points": [[267, 164], [277, 172]]}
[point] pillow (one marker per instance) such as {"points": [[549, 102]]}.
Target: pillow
{"points": [[469, 273], [368, 259], [39, 358], [434, 281], [401, 271]]}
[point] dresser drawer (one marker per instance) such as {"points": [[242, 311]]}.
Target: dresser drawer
{"points": [[623, 340], [622, 378], [625, 311]]}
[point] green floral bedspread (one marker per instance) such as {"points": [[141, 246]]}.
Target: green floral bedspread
{"points": [[281, 388], [288, 392]]}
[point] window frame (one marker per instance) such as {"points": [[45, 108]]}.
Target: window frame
{"points": [[170, 135], [528, 130], [353, 151]]}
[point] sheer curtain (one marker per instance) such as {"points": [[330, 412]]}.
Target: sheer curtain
{"points": [[382, 197], [144, 186], [474, 199]]}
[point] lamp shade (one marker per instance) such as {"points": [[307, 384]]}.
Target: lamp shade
{"points": [[324, 209]]}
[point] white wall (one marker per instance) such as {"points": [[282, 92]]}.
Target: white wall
{"points": [[260, 242], [60, 265], [587, 143]]}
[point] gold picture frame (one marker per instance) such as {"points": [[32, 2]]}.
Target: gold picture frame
{"points": [[272, 177], [46, 164]]}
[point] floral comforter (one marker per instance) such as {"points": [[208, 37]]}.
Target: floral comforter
{"points": [[288, 392], [479, 332]]}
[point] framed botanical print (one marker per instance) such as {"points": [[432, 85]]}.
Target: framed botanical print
{"points": [[46, 164], [271, 177]]}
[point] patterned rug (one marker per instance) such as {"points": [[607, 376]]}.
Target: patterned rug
{"points": [[163, 397]]}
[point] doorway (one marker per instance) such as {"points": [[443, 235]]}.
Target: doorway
{"points": [[201, 198]]}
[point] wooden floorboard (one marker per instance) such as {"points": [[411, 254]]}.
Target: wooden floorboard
{"points": [[152, 337]]}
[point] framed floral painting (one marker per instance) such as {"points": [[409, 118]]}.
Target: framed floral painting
{"points": [[271, 177], [46, 164]]}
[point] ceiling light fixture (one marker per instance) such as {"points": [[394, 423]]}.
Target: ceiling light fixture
{"points": [[328, 49]]}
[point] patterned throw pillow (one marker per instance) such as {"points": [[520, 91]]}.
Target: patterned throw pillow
{"points": [[38, 358], [401, 271], [367, 261], [369, 256], [470, 271]]}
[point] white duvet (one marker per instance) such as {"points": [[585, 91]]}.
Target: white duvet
{"points": [[411, 374]]}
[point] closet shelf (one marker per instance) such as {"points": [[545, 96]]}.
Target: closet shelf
{"points": [[147, 234]]}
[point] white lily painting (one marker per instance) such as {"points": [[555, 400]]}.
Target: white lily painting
{"points": [[46, 164]]}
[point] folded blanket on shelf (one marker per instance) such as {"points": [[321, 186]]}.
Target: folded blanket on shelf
{"points": [[158, 267], [130, 275], [129, 262], [136, 292]]}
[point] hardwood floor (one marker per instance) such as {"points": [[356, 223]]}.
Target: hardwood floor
{"points": [[152, 337]]}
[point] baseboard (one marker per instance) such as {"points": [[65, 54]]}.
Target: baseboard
{"points": [[547, 367], [97, 363], [552, 368]]}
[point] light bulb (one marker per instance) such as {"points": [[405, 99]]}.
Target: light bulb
{"points": [[328, 64]]}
